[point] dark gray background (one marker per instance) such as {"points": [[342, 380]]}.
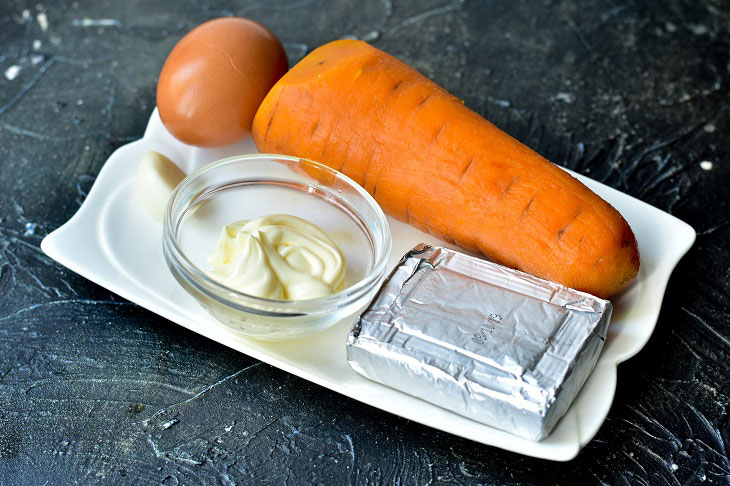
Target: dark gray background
{"points": [[93, 388]]}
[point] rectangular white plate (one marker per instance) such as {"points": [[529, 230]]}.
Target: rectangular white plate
{"points": [[113, 243]]}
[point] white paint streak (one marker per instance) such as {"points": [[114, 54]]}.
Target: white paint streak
{"points": [[702, 321], [167, 456], [12, 72], [564, 97], [352, 457], [203, 391], [30, 229], [87, 22], [42, 19], [373, 35], [169, 423], [127, 383], [32, 307], [430, 13]]}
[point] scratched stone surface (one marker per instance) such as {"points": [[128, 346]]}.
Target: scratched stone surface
{"points": [[96, 389]]}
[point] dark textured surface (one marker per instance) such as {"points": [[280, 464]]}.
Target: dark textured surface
{"points": [[93, 388]]}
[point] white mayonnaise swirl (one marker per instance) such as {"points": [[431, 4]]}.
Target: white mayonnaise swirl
{"points": [[279, 257]]}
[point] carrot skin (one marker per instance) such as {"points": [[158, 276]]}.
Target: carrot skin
{"points": [[430, 161]]}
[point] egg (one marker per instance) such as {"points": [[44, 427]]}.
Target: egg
{"points": [[215, 78]]}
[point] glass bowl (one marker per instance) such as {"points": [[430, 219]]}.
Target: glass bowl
{"points": [[251, 186]]}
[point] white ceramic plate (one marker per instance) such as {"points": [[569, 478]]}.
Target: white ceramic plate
{"points": [[113, 243]]}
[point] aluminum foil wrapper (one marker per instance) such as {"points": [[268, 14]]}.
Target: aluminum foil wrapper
{"points": [[485, 341]]}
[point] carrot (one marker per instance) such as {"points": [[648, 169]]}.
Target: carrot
{"points": [[430, 161]]}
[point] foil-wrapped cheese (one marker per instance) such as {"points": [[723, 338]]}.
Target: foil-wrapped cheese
{"points": [[485, 341]]}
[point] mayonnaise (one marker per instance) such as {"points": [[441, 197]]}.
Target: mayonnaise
{"points": [[278, 257]]}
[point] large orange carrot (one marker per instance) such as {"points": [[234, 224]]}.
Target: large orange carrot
{"points": [[430, 161]]}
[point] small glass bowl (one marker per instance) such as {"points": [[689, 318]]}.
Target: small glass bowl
{"points": [[248, 187]]}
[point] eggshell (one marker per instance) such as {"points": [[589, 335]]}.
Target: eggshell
{"points": [[215, 78]]}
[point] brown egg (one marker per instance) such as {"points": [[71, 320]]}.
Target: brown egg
{"points": [[215, 78]]}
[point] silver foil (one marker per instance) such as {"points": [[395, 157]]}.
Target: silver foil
{"points": [[493, 344]]}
